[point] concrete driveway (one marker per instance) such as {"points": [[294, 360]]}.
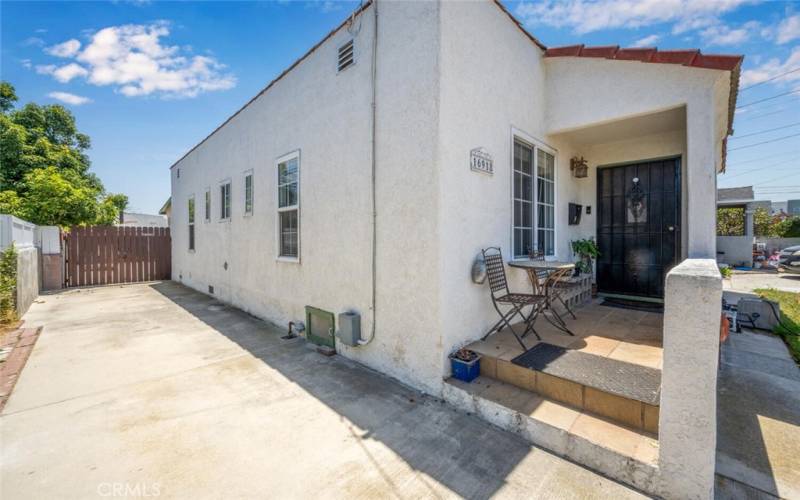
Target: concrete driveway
{"points": [[156, 390]]}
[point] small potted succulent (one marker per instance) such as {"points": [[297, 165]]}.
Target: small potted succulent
{"points": [[465, 364]]}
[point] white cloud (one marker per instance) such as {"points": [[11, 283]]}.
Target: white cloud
{"points": [[772, 68], [68, 98], [32, 40], [133, 59], [26, 63], [585, 16], [68, 72], [720, 34], [45, 69], [66, 49], [788, 29], [647, 41]]}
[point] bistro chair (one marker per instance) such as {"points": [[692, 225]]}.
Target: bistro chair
{"points": [[552, 293], [501, 295]]}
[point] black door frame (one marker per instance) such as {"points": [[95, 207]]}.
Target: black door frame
{"points": [[678, 243]]}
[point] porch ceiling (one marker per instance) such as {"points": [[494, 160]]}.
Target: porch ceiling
{"points": [[628, 128]]}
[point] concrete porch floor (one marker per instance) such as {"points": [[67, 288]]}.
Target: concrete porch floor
{"points": [[156, 386], [621, 334]]}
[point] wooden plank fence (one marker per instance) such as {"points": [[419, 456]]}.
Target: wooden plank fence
{"points": [[104, 255]]}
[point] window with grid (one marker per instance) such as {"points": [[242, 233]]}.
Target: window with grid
{"points": [[208, 205], [534, 207], [191, 223], [523, 199], [289, 207], [248, 194], [545, 202], [225, 201]]}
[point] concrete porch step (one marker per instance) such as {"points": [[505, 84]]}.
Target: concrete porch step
{"points": [[622, 453], [622, 392]]}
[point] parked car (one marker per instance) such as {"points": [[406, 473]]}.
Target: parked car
{"points": [[790, 259]]}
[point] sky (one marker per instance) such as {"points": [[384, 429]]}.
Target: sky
{"points": [[148, 80]]}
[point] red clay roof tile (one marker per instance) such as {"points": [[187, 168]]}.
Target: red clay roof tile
{"points": [[608, 51], [643, 54]]}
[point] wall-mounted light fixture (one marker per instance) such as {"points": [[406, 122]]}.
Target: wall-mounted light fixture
{"points": [[579, 167]]}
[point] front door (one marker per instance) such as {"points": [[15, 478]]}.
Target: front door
{"points": [[638, 228]]}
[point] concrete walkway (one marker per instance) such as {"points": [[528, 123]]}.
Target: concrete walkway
{"points": [[153, 389], [750, 280], [758, 425]]}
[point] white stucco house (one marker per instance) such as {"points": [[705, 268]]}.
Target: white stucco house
{"points": [[369, 175]]}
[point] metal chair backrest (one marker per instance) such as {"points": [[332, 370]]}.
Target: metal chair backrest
{"points": [[495, 270], [541, 274]]}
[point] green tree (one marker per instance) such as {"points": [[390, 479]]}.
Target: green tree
{"points": [[730, 221], [765, 224], [55, 198], [8, 96], [44, 168]]}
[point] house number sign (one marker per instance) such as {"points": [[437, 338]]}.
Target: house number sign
{"points": [[481, 161]]}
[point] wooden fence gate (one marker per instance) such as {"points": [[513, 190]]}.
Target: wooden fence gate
{"points": [[104, 255]]}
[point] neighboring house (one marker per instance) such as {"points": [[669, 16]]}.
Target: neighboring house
{"points": [[780, 208], [142, 220], [166, 208], [304, 197]]}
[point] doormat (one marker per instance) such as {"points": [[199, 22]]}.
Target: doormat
{"points": [[628, 380], [635, 305]]}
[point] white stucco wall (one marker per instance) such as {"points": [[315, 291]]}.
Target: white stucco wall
{"points": [[326, 116], [451, 77], [492, 81]]}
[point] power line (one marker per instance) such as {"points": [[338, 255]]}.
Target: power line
{"points": [[739, 174], [765, 142], [755, 117], [768, 98], [762, 158], [769, 79], [770, 180], [765, 131]]}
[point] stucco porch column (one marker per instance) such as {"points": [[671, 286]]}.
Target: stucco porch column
{"points": [[701, 181], [688, 418]]}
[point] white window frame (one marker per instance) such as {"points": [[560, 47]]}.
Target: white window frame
{"points": [[222, 200], [191, 223], [278, 209], [248, 213], [521, 136], [207, 205]]}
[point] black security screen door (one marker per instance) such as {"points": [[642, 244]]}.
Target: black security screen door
{"points": [[638, 228]]}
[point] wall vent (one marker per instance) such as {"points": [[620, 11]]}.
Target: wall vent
{"points": [[346, 55]]}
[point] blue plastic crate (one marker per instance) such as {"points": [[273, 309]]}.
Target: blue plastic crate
{"points": [[466, 371]]}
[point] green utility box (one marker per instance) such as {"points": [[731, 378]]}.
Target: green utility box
{"points": [[320, 326]]}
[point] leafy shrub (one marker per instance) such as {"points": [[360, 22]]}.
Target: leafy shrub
{"points": [[8, 284]]}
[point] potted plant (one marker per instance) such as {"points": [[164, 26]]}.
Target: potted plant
{"points": [[587, 250], [465, 364]]}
